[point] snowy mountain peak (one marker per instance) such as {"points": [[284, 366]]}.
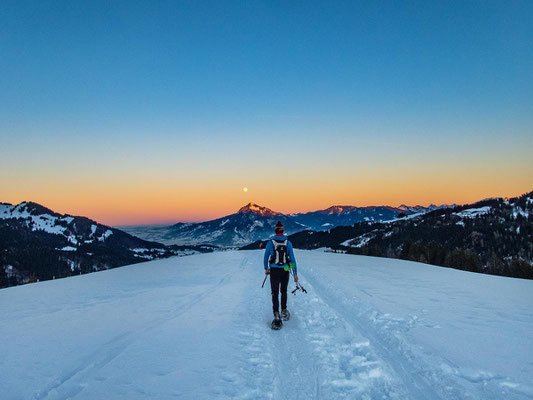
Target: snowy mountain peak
{"points": [[25, 210], [338, 209], [418, 208], [34, 208], [258, 210]]}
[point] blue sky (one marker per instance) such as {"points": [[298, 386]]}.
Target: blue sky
{"points": [[333, 86]]}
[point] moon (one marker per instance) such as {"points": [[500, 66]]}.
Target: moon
{"points": [[245, 189]]}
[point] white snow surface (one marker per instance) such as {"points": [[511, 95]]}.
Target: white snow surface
{"points": [[519, 211], [198, 328], [474, 212], [105, 235], [359, 241], [257, 223], [68, 248], [43, 222]]}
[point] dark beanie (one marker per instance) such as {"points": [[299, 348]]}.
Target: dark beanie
{"points": [[279, 227]]}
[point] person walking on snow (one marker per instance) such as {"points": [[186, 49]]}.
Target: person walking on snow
{"points": [[279, 258]]}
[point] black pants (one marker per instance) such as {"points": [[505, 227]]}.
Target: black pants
{"points": [[279, 280]]}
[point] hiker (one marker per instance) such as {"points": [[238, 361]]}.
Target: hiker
{"points": [[279, 258]]}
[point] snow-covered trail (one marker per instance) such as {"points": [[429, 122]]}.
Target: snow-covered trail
{"points": [[198, 327], [316, 355]]}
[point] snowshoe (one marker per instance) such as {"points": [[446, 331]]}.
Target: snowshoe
{"points": [[285, 315], [276, 323]]}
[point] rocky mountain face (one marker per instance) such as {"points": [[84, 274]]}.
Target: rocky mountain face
{"points": [[257, 210], [37, 243], [249, 224]]}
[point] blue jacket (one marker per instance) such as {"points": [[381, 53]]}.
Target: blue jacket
{"points": [[269, 251]]}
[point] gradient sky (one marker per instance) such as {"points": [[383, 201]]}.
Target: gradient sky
{"points": [[148, 112]]}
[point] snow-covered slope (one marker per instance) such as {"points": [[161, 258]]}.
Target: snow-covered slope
{"points": [[39, 218], [198, 328], [37, 243]]}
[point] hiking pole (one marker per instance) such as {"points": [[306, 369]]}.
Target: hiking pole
{"points": [[264, 280], [298, 285]]}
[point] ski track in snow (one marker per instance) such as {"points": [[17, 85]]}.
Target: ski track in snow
{"points": [[386, 350], [318, 354], [208, 336]]}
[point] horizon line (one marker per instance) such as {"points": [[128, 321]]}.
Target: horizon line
{"points": [[165, 222]]}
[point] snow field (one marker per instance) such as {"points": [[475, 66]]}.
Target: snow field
{"points": [[198, 327], [448, 333]]}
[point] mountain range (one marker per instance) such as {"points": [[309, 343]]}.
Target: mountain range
{"points": [[37, 243], [254, 222], [493, 236], [348, 215]]}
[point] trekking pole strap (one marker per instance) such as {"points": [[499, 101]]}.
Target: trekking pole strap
{"points": [[302, 288], [298, 285]]}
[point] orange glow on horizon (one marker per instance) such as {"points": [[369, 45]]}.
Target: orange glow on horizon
{"points": [[138, 208], [155, 195]]}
